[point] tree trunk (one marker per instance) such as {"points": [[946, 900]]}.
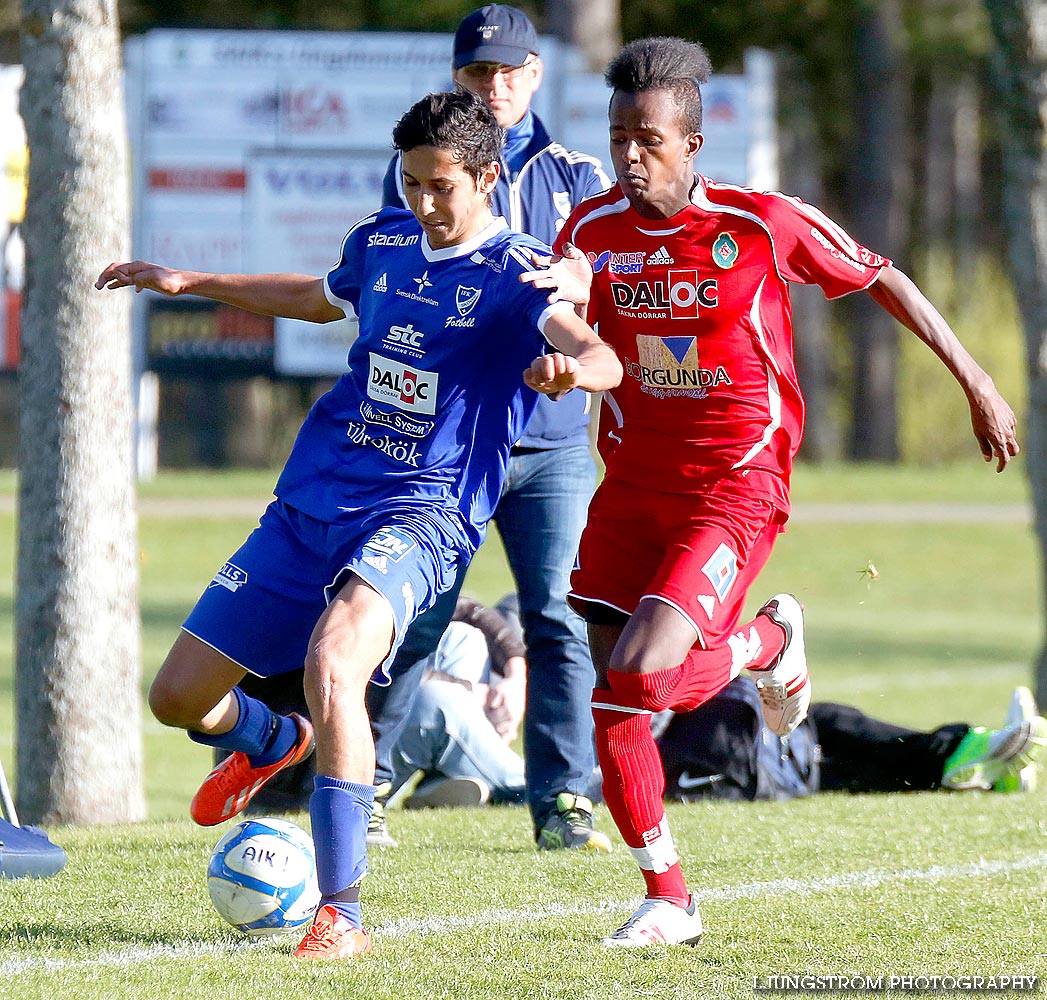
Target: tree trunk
{"points": [[967, 181], [593, 25], [879, 203], [801, 176], [1020, 33], [78, 671]]}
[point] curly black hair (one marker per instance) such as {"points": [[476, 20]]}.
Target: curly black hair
{"points": [[457, 121], [672, 64]]}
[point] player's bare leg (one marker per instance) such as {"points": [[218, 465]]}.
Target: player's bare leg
{"points": [[192, 688], [353, 636], [196, 690]]}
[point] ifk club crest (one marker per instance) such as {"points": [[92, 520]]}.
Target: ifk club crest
{"points": [[465, 299], [725, 251]]}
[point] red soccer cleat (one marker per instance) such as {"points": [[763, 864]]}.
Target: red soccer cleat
{"points": [[233, 783], [332, 936]]}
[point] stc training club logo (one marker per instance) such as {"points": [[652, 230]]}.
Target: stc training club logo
{"points": [[679, 296]]}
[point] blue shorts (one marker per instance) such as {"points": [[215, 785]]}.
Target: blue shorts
{"points": [[262, 605]]}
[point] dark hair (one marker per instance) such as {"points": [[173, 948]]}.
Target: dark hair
{"points": [[672, 64], [459, 122]]}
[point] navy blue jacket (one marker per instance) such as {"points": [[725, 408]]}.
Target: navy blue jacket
{"points": [[536, 199]]}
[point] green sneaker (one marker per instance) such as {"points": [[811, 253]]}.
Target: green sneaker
{"points": [[984, 756], [1015, 779], [378, 826], [571, 827]]}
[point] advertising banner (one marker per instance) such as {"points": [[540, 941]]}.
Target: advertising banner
{"points": [[299, 208], [257, 150]]}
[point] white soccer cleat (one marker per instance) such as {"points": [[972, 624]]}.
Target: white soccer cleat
{"points": [[658, 921], [785, 686]]}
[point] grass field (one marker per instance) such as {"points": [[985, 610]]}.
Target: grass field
{"points": [[930, 884]]}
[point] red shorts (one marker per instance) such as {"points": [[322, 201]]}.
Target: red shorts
{"points": [[697, 552]]}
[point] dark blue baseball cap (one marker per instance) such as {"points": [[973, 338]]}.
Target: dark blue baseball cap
{"points": [[495, 33]]}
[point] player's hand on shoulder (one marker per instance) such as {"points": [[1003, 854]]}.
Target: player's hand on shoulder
{"points": [[552, 374], [568, 276], [142, 274], [995, 426]]}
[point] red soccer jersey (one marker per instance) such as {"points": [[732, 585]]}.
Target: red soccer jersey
{"points": [[697, 307]]}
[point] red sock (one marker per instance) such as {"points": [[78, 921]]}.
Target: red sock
{"points": [[761, 642], [633, 783], [705, 672]]}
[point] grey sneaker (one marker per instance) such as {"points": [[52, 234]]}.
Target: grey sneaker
{"points": [[571, 827], [378, 826], [439, 792]]}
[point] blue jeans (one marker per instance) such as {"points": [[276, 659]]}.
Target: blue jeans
{"points": [[540, 517], [447, 734]]}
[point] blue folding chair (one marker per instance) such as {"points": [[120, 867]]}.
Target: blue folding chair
{"points": [[25, 851]]}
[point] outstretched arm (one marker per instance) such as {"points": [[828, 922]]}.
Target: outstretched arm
{"points": [[993, 420], [581, 361], [294, 296]]}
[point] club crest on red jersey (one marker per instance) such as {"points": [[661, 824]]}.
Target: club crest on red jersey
{"points": [[725, 251]]}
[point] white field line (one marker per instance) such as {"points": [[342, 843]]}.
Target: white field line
{"points": [[436, 925]]}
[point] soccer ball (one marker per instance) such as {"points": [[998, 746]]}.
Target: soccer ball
{"points": [[262, 877]]}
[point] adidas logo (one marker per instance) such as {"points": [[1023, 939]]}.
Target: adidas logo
{"points": [[380, 285], [660, 256]]}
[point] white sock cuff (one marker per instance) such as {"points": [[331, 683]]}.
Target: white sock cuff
{"points": [[659, 852]]}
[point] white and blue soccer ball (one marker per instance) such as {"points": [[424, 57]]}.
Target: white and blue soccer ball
{"points": [[262, 877]]}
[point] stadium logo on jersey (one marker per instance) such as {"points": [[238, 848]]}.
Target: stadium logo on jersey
{"points": [[721, 569], [394, 240], [617, 263], [680, 296], [229, 576], [382, 284], [404, 387], [669, 366], [396, 421], [404, 340], [660, 258], [725, 251]]}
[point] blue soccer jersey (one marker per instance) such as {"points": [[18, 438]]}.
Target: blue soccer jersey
{"points": [[434, 397]]}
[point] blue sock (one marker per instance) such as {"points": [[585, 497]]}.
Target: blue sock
{"points": [[340, 811], [282, 737], [256, 729]]}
